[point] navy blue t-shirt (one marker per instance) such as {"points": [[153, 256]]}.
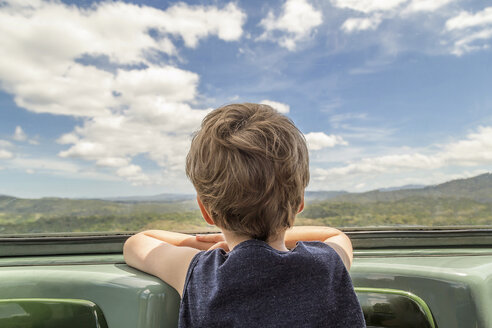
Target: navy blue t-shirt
{"points": [[256, 285]]}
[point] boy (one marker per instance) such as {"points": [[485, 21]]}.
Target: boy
{"points": [[249, 165]]}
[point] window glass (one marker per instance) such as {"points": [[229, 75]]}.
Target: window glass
{"points": [[98, 101]]}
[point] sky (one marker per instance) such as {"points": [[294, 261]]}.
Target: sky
{"points": [[100, 99]]}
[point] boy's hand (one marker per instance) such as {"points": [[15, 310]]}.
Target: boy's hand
{"points": [[178, 239], [217, 239]]}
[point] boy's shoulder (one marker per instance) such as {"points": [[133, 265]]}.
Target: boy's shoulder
{"points": [[259, 256], [327, 250]]}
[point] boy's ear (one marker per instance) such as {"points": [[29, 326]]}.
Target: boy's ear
{"points": [[205, 214], [302, 205]]}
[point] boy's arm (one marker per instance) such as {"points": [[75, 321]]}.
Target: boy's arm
{"points": [[166, 255], [331, 236]]}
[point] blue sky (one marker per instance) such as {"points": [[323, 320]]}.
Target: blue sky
{"points": [[100, 98]]}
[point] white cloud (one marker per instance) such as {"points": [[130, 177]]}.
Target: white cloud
{"points": [[320, 140], [34, 141], [295, 23], [130, 170], [39, 56], [466, 19], [5, 143], [44, 164], [195, 22], [59, 167], [113, 161], [472, 31], [473, 151], [378, 181], [157, 130], [68, 138], [19, 134], [426, 5], [133, 173], [157, 123], [280, 107], [168, 83], [385, 164], [46, 65], [120, 30], [368, 6], [468, 43], [476, 149], [360, 185], [377, 10], [361, 24], [5, 154]]}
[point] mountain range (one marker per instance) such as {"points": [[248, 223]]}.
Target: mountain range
{"points": [[478, 188], [453, 203]]}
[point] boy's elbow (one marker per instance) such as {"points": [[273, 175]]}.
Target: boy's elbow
{"points": [[350, 251], [127, 246], [130, 250], [343, 245], [132, 241]]}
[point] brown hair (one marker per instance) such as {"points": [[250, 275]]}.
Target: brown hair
{"points": [[249, 165]]}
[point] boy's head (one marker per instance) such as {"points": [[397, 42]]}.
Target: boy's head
{"points": [[249, 165]]}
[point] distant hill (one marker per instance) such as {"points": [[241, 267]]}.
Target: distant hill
{"points": [[166, 198], [405, 187], [462, 202], [311, 196], [459, 202], [18, 215], [478, 189], [20, 209]]}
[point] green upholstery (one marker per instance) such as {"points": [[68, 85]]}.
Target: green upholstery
{"points": [[48, 313]]}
